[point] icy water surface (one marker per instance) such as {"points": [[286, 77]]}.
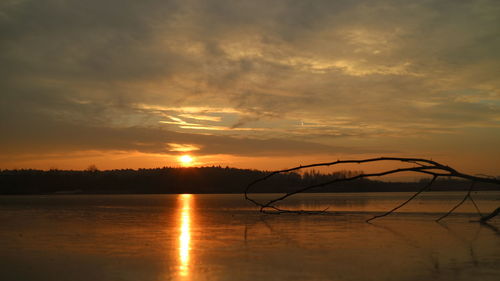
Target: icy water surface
{"points": [[222, 237]]}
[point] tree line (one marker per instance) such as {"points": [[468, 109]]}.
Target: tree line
{"points": [[214, 179]]}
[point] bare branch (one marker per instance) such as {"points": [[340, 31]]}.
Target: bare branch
{"points": [[475, 205], [421, 166], [490, 216], [459, 203], [407, 201]]}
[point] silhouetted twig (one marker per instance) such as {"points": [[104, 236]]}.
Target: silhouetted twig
{"points": [[490, 216], [406, 202], [459, 203]]}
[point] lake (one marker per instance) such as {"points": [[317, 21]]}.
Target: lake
{"points": [[223, 237]]}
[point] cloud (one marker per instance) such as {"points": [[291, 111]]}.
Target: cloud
{"points": [[245, 72], [47, 136], [201, 117], [180, 147]]}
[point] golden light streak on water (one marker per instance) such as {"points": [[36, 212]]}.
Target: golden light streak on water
{"points": [[185, 234]]}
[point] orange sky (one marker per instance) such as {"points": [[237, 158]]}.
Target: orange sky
{"points": [[128, 84]]}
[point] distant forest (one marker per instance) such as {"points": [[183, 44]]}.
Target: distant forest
{"points": [[214, 179]]}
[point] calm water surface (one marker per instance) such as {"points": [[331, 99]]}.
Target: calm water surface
{"points": [[222, 237]]}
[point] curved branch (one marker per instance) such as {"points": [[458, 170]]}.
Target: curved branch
{"points": [[421, 166]]}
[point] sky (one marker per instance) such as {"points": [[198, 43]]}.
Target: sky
{"points": [[249, 84]]}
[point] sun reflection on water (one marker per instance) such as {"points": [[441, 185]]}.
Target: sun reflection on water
{"points": [[185, 234]]}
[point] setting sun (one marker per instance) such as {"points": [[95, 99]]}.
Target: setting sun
{"points": [[186, 159]]}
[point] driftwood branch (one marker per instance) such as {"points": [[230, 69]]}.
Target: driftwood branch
{"points": [[493, 214], [460, 203], [405, 202], [419, 165]]}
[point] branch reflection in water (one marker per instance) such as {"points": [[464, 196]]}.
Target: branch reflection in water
{"points": [[185, 202]]}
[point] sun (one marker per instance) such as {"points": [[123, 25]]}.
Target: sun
{"points": [[186, 159]]}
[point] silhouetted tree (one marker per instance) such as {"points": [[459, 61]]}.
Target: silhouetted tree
{"points": [[92, 168]]}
